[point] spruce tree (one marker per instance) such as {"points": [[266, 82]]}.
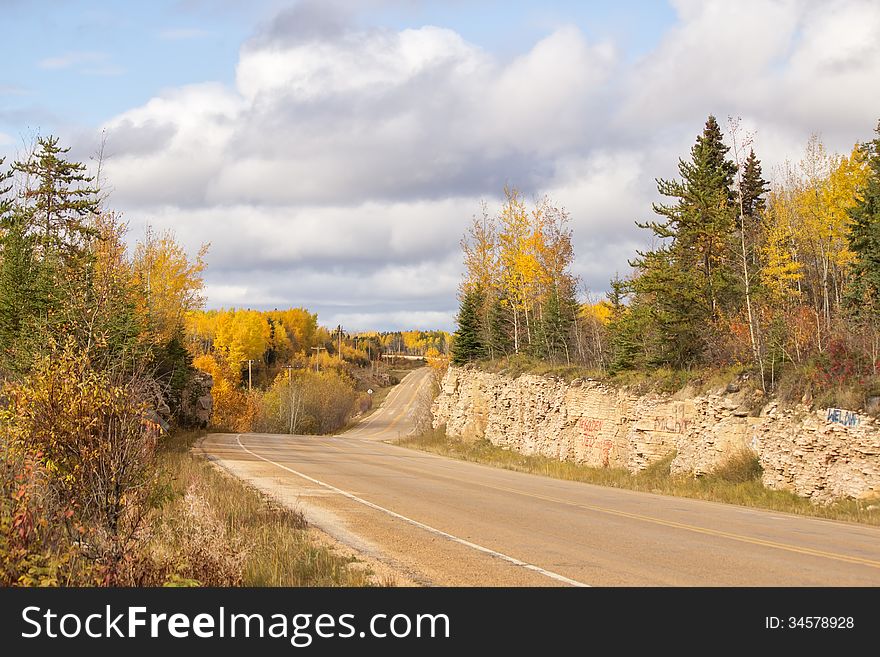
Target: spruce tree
{"points": [[689, 279], [753, 187], [60, 198], [499, 343], [558, 317], [863, 292], [5, 188], [17, 275], [468, 346], [624, 344]]}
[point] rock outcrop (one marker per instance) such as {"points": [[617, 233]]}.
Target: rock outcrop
{"points": [[815, 454], [196, 402]]}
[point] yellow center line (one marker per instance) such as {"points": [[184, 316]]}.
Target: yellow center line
{"points": [[405, 409], [700, 530], [650, 519], [383, 410]]}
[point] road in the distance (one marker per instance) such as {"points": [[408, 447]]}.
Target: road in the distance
{"points": [[446, 522]]}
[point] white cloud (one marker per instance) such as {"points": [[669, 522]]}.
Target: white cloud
{"points": [[182, 33], [84, 62], [342, 166], [396, 320]]}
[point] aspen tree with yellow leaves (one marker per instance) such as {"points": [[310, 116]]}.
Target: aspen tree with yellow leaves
{"points": [[518, 295]]}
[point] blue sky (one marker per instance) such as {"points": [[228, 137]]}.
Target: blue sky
{"points": [[333, 151], [81, 62]]}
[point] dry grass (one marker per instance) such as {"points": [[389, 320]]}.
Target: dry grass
{"points": [[661, 379], [220, 532], [737, 481]]}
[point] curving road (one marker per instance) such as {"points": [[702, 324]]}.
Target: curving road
{"points": [[441, 521]]}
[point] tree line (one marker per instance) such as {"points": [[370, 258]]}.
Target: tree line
{"points": [[93, 362], [770, 275], [518, 295]]}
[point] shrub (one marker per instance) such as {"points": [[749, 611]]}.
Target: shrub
{"points": [[88, 435]]}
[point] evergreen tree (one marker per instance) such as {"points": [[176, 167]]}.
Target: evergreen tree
{"points": [[863, 293], [5, 188], [61, 199], [558, 317], [753, 187], [711, 145], [19, 298], [623, 338], [468, 346], [17, 275], [688, 279], [499, 341]]}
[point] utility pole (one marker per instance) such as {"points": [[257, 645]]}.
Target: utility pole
{"points": [[293, 400], [339, 342], [317, 351], [250, 361]]}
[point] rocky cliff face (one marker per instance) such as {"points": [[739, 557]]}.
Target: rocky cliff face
{"points": [[196, 401], [819, 454]]}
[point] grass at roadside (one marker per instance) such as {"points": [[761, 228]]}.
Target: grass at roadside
{"points": [[380, 394], [224, 533], [737, 481]]}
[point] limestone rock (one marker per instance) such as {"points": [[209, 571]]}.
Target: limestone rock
{"points": [[599, 425]]}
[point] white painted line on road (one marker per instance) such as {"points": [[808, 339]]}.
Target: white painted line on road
{"points": [[421, 525]]}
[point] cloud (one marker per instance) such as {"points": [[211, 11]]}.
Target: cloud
{"points": [[342, 166], [12, 90], [84, 62], [182, 34]]}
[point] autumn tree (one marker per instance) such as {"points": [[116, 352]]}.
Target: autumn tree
{"points": [[518, 267], [171, 281], [750, 190], [557, 294], [519, 264]]}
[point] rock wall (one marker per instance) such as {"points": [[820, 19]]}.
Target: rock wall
{"points": [[196, 401], [812, 453]]}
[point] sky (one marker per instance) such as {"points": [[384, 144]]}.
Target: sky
{"points": [[333, 152]]}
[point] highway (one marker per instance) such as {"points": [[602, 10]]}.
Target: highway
{"points": [[443, 522]]}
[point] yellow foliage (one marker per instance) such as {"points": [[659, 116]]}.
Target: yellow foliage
{"points": [[780, 272], [172, 283], [438, 362], [600, 312]]}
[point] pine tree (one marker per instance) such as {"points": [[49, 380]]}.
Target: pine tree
{"points": [[688, 279], [468, 345], [863, 293]]}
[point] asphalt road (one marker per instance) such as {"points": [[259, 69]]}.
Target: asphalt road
{"points": [[439, 521]]}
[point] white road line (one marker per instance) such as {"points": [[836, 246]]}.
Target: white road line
{"points": [[421, 525]]}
